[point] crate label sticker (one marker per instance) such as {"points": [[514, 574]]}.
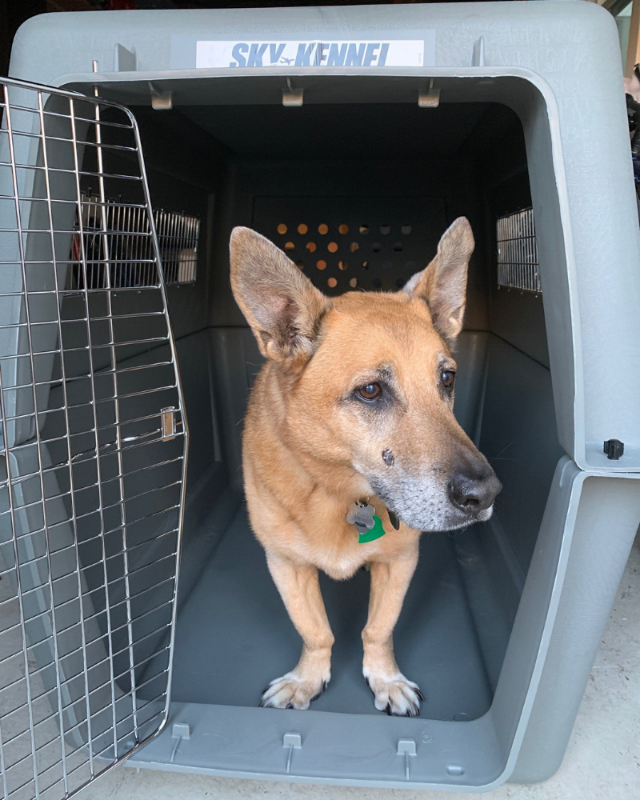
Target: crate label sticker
{"points": [[251, 54]]}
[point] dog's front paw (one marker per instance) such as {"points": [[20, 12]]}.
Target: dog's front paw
{"points": [[292, 691], [395, 694]]}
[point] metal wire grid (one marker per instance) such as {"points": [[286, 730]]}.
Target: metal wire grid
{"points": [[518, 266], [177, 239], [92, 448]]}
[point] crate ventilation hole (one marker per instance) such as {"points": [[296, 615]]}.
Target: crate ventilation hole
{"points": [[315, 252]]}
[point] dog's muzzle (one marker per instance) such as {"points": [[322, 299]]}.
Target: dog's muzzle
{"points": [[434, 502]]}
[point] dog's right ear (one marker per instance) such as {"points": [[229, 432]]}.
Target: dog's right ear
{"points": [[282, 307]]}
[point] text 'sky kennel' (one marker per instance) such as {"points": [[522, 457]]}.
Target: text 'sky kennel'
{"points": [[355, 171]]}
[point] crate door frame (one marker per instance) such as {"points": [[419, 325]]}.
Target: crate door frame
{"points": [[93, 445]]}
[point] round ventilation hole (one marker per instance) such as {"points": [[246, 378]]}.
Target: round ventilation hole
{"points": [[398, 247], [282, 228], [321, 264], [332, 247], [387, 265], [410, 265], [289, 246], [385, 229], [353, 283], [322, 229], [365, 265], [406, 229], [377, 283], [342, 265], [376, 247], [354, 246], [300, 264], [400, 282], [332, 283], [343, 229], [364, 229], [302, 229], [311, 247]]}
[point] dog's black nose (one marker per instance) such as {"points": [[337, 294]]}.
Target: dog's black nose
{"points": [[473, 489]]}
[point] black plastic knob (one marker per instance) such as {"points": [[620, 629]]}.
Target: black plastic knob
{"points": [[614, 448]]}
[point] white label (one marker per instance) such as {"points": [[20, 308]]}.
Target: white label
{"points": [[392, 53]]}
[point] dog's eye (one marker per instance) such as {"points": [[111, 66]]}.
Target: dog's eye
{"points": [[448, 379], [370, 391]]}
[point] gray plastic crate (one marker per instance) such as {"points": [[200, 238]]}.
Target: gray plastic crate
{"points": [[486, 110]]}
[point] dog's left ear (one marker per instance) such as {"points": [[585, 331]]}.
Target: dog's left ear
{"points": [[443, 284], [282, 307]]}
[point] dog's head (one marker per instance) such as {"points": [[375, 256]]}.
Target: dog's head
{"points": [[370, 377]]}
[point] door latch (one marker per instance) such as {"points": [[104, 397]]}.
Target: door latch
{"points": [[168, 418]]}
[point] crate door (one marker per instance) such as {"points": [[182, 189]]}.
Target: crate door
{"points": [[93, 445]]}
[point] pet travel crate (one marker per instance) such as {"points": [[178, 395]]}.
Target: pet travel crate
{"points": [[351, 137]]}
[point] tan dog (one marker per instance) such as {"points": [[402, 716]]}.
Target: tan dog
{"points": [[355, 402]]}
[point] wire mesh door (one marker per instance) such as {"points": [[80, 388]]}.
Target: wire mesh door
{"points": [[92, 447]]}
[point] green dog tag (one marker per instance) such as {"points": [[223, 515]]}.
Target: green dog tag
{"points": [[375, 533]]}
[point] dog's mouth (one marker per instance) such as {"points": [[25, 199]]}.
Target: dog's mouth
{"points": [[462, 519], [440, 519]]}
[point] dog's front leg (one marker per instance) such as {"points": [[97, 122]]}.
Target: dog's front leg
{"points": [[392, 691], [299, 588]]}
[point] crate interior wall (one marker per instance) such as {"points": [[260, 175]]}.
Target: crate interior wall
{"points": [[391, 176]]}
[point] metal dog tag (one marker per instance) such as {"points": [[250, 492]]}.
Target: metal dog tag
{"points": [[361, 514], [368, 524]]}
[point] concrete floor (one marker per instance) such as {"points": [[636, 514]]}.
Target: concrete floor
{"points": [[602, 761]]}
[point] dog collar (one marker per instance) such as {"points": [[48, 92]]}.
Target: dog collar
{"points": [[362, 516]]}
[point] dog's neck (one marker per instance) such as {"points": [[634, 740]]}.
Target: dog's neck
{"points": [[339, 480]]}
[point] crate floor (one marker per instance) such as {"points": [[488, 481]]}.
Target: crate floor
{"points": [[601, 762], [234, 635]]}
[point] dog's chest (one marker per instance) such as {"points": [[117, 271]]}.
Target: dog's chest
{"points": [[338, 552], [342, 566]]}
